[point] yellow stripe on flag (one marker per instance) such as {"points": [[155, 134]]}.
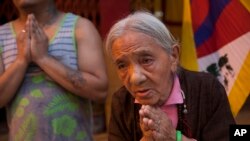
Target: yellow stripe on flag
{"points": [[188, 57], [241, 88], [246, 3]]}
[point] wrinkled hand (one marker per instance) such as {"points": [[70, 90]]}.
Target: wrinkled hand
{"points": [[155, 125], [39, 40], [23, 45]]}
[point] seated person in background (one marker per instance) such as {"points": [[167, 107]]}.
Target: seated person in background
{"points": [[160, 101]]}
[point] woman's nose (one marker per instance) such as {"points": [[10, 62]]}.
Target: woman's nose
{"points": [[137, 76]]}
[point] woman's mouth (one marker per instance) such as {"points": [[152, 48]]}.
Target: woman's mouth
{"points": [[143, 94]]}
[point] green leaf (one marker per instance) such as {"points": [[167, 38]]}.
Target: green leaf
{"points": [[60, 103], [38, 78], [27, 130], [64, 125], [36, 93]]}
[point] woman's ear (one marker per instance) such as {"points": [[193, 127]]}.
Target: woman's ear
{"points": [[175, 56]]}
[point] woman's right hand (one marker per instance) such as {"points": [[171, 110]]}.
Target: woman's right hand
{"points": [[23, 46]]}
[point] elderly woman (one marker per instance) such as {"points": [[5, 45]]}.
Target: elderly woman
{"points": [[161, 101]]}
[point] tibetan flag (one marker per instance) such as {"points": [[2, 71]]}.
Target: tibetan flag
{"points": [[216, 39]]}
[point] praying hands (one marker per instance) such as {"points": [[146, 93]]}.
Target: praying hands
{"points": [[32, 41]]}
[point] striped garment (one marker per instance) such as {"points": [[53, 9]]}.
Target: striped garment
{"points": [[42, 110]]}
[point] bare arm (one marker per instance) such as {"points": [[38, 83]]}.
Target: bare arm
{"points": [[90, 80], [11, 78]]}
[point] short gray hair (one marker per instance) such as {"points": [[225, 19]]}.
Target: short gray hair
{"points": [[143, 22]]}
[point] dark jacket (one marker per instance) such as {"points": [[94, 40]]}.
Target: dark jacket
{"points": [[208, 116]]}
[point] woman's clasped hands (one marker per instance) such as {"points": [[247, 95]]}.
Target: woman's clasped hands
{"points": [[32, 42], [155, 124]]}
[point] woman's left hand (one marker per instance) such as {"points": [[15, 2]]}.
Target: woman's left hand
{"points": [[39, 40]]}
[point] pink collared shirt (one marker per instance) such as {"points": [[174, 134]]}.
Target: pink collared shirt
{"points": [[170, 106]]}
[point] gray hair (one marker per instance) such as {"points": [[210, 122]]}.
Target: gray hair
{"points": [[143, 22]]}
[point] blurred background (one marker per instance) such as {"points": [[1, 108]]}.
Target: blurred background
{"points": [[186, 21]]}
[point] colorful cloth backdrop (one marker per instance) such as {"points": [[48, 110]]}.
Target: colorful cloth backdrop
{"points": [[216, 39]]}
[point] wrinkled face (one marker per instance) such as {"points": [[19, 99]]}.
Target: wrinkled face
{"points": [[144, 67]]}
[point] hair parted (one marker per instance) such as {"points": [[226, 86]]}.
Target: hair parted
{"points": [[143, 22]]}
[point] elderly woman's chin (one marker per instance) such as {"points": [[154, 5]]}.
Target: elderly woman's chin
{"points": [[151, 101]]}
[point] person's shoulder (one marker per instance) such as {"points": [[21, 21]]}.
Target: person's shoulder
{"points": [[82, 21], [122, 95], [5, 29], [4, 26], [121, 92], [198, 81], [202, 85], [86, 28], [195, 76]]}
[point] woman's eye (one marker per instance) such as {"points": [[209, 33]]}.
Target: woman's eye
{"points": [[146, 61], [121, 66]]}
